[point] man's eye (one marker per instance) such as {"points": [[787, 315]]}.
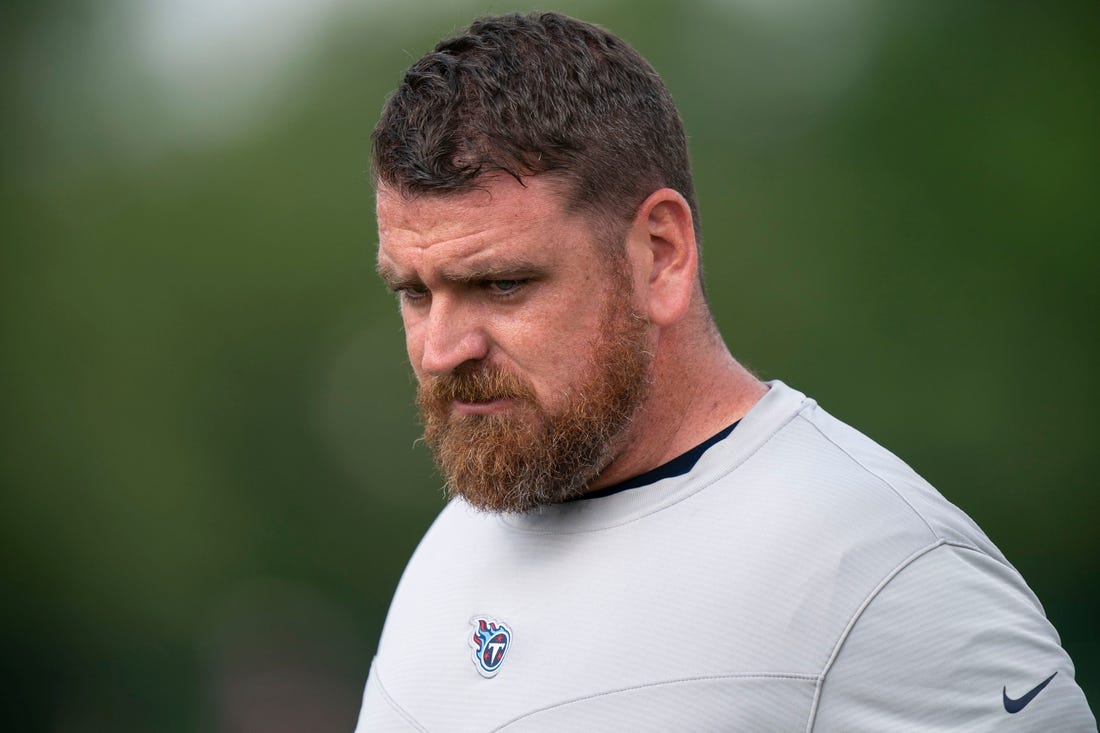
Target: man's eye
{"points": [[504, 287], [412, 292]]}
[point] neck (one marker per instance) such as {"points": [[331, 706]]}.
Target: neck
{"points": [[698, 388]]}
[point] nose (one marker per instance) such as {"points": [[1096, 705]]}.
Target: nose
{"points": [[452, 336]]}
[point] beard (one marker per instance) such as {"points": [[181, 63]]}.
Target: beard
{"points": [[530, 455]]}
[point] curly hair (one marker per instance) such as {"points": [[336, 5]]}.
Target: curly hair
{"points": [[528, 94]]}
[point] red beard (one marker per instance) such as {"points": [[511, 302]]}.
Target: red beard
{"points": [[530, 456]]}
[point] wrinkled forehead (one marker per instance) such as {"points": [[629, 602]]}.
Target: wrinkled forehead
{"points": [[500, 209], [425, 220], [482, 231]]}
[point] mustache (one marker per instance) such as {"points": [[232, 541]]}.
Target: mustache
{"points": [[483, 385]]}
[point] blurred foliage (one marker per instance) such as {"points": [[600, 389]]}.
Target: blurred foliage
{"points": [[210, 483]]}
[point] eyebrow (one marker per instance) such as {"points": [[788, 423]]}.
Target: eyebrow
{"points": [[393, 277], [499, 269]]}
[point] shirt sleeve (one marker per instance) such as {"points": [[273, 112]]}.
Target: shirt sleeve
{"points": [[954, 641]]}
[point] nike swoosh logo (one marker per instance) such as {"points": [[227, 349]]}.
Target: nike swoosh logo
{"points": [[1015, 706]]}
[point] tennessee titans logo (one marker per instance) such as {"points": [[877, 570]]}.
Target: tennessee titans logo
{"points": [[490, 642]]}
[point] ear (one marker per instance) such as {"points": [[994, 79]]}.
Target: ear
{"points": [[662, 249]]}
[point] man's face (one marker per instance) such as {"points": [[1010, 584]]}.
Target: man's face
{"points": [[519, 327]]}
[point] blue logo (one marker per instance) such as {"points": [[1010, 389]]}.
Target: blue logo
{"points": [[490, 642]]}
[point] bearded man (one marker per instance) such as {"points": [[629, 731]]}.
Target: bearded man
{"points": [[642, 535]]}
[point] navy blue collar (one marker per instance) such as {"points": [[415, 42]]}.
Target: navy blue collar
{"points": [[678, 466]]}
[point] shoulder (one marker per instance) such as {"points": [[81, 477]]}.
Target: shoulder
{"points": [[931, 626], [858, 489], [953, 640]]}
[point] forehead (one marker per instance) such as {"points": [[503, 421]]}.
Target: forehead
{"points": [[500, 219]]}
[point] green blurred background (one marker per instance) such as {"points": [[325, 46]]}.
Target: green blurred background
{"points": [[210, 483]]}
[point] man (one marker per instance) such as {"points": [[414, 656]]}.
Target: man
{"points": [[642, 535]]}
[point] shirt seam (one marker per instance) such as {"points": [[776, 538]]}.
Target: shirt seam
{"points": [[858, 614], [883, 479], [393, 703], [650, 685]]}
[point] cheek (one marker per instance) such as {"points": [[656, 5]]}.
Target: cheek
{"points": [[555, 353]]}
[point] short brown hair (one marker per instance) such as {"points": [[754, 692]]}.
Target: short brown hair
{"points": [[525, 94]]}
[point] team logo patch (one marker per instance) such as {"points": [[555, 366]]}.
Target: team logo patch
{"points": [[490, 642]]}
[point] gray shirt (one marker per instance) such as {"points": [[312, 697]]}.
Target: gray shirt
{"points": [[799, 578]]}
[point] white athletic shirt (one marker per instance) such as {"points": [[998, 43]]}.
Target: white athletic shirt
{"points": [[799, 578]]}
